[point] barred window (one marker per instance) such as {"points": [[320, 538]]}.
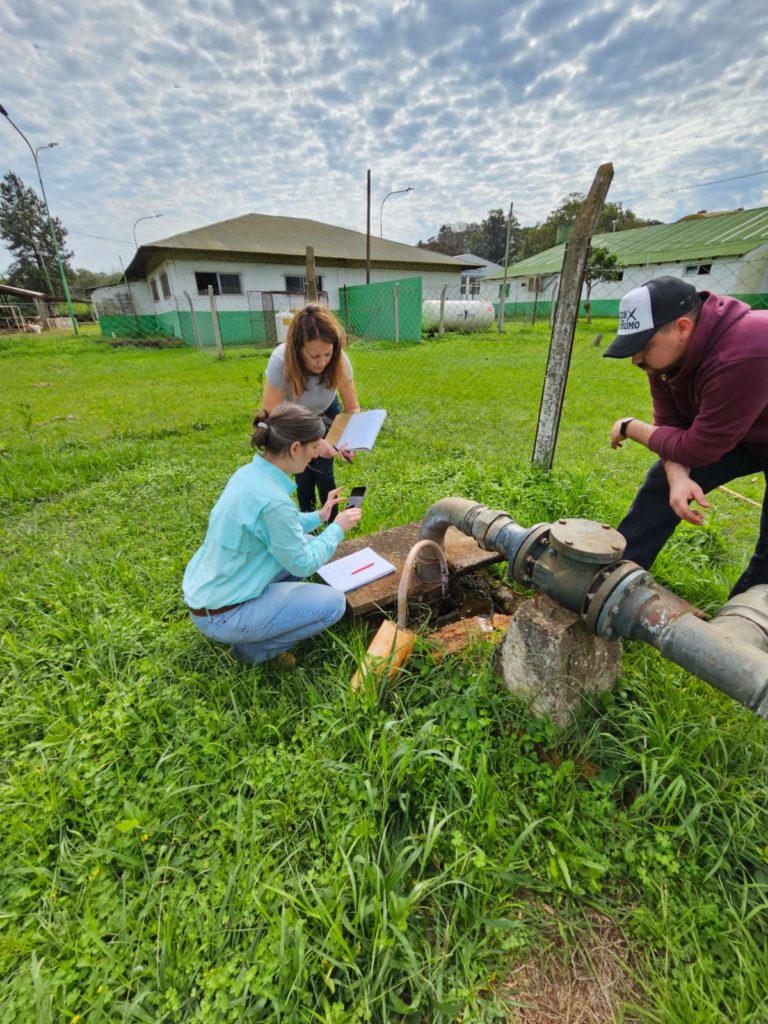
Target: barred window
{"points": [[296, 284], [222, 284], [153, 289], [165, 286]]}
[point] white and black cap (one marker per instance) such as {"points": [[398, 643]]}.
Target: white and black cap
{"points": [[647, 308]]}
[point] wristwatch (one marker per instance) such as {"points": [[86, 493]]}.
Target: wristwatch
{"points": [[625, 424]]}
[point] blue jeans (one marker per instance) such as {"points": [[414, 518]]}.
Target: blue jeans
{"points": [[284, 613], [318, 475], [650, 521]]}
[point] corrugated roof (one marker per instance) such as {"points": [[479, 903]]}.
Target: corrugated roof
{"points": [[696, 238], [9, 289], [264, 238]]}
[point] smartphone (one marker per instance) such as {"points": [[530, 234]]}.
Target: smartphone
{"points": [[356, 496]]}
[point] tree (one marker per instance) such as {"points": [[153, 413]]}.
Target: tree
{"points": [[81, 280], [613, 217], [602, 265], [486, 239], [25, 230]]}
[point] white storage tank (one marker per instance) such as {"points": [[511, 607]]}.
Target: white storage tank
{"points": [[471, 315]]}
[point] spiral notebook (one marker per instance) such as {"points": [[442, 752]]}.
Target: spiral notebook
{"points": [[355, 570]]}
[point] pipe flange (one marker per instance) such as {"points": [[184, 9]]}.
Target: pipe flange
{"points": [[601, 588], [586, 541], [611, 603], [521, 569]]}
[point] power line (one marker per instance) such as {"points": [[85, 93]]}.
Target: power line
{"points": [[687, 188], [84, 234]]}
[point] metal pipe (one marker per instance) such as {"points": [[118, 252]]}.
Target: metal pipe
{"points": [[579, 564], [405, 576]]}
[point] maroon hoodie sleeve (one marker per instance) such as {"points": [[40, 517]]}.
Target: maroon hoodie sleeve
{"points": [[730, 400]]}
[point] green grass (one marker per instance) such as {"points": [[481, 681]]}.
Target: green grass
{"points": [[187, 839]]}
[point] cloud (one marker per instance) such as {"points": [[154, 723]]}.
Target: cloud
{"points": [[209, 109]]}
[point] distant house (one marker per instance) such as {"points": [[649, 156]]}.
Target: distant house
{"points": [[20, 308], [721, 252], [480, 268], [256, 266]]}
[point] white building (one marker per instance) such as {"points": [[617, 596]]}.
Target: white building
{"points": [[256, 265], [724, 252]]}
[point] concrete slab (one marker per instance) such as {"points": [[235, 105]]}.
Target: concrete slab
{"points": [[462, 553]]}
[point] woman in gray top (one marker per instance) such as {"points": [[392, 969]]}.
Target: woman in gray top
{"points": [[309, 369]]}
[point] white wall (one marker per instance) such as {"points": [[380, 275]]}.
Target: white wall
{"points": [[258, 277]]}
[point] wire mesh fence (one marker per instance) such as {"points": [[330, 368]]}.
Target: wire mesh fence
{"points": [[399, 315]]}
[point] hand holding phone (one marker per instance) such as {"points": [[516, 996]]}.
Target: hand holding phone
{"points": [[356, 496]]}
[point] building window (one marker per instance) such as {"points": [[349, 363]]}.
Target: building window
{"points": [[222, 284], [296, 284], [230, 284], [166, 288], [153, 289], [697, 268]]}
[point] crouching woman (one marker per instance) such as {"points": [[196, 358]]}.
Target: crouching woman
{"points": [[242, 586]]}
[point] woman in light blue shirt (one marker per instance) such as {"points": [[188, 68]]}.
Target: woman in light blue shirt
{"points": [[242, 585]]}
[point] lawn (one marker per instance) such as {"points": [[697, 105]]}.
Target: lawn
{"points": [[187, 839]]}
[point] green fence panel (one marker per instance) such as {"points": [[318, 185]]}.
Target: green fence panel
{"points": [[368, 310]]}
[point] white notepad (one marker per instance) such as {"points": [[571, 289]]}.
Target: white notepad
{"points": [[355, 570], [362, 430]]}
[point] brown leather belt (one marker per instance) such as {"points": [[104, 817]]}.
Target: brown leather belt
{"points": [[204, 612]]}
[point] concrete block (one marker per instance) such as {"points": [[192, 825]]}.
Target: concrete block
{"points": [[550, 660]]}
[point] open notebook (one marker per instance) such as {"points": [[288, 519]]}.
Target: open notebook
{"points": [[357, 430], [355, 570]]}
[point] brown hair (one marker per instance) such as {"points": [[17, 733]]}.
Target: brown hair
{"points": [[310, 324], [276, 431]]}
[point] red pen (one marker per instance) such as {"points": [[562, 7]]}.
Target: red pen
{"points": [[369, 566]]}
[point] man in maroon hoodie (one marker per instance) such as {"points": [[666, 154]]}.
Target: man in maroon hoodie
{"points": [[706, 357]]}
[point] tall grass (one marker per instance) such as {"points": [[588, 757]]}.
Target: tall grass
{"points": [[185, 838]]}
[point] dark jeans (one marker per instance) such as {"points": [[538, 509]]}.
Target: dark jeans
{"points": [[318, 476], [650, 522]]}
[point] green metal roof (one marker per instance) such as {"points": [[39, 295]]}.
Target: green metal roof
{"points": [[261, 238], [697, 238]]}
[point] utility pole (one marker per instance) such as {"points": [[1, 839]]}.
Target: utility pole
{"points": [[503, 294], [51, 227], [368, 235]]}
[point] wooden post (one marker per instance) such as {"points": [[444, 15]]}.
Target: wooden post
{"points": [[215, 323], [441, 321], [311, 275], [561, 345], [194, 321], [396, 309]]}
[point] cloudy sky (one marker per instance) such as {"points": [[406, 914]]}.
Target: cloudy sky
{"points": [[207, 109]]}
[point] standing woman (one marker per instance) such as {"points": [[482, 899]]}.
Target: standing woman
{"points": [[309, 369], [242, 586]]}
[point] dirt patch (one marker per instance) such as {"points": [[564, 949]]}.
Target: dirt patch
{"points": [[587, 984]]}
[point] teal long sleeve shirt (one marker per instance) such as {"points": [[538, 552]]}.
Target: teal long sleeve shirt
{"points": [[254, 531]]}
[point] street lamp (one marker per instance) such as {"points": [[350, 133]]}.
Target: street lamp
{"points": [[51, 228], [149, 216], [386, 197]]}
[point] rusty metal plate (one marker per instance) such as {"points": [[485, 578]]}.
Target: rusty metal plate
{"points": [[587, 541], [462, 553]]}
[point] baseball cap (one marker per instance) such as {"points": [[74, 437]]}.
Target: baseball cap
{"points": [[647, 308]]}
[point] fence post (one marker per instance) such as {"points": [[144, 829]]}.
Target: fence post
{"points": [[215, 323], [396, 309], [311, 275], [194, 321], [561, 345], [441, 322]]}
